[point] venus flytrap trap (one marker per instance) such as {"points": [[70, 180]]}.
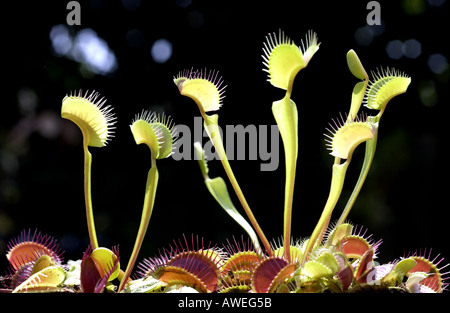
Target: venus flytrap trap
{"points": [[98, 268], [36, 262], [337, 257]]}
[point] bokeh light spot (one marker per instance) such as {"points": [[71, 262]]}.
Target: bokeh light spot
{"points": [[364, 36], [61, 40], [437, 63], [161, 50], [394, 49], [412, 48], [86, 47]]}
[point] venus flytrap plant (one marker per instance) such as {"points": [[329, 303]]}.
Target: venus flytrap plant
{"points": [[344, 257], [95, 120], [283, 60], [207, 90], [344, 261], [386, 85], [158, 133], [337, 257], [398, 84], [344, 139]]}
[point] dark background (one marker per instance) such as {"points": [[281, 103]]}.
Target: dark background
{"points": [[405, 198]]}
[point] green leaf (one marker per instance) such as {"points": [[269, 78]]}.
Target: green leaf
{"points": [[41, 263], [218, 189], [338, 233], [337, 182], [200, 156], [283, 288], [286, 116], [355, 65], [357, 98], [48, 278], [405, 265], [357, 69], [104, 260], [399, 271], [327, 258], [149, 201], [316, 270]]}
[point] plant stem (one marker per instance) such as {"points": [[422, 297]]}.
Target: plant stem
{"points": [[88, 198], [368, 158], [337, 183], [149, 200], [211, 126], [285, 113]]}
